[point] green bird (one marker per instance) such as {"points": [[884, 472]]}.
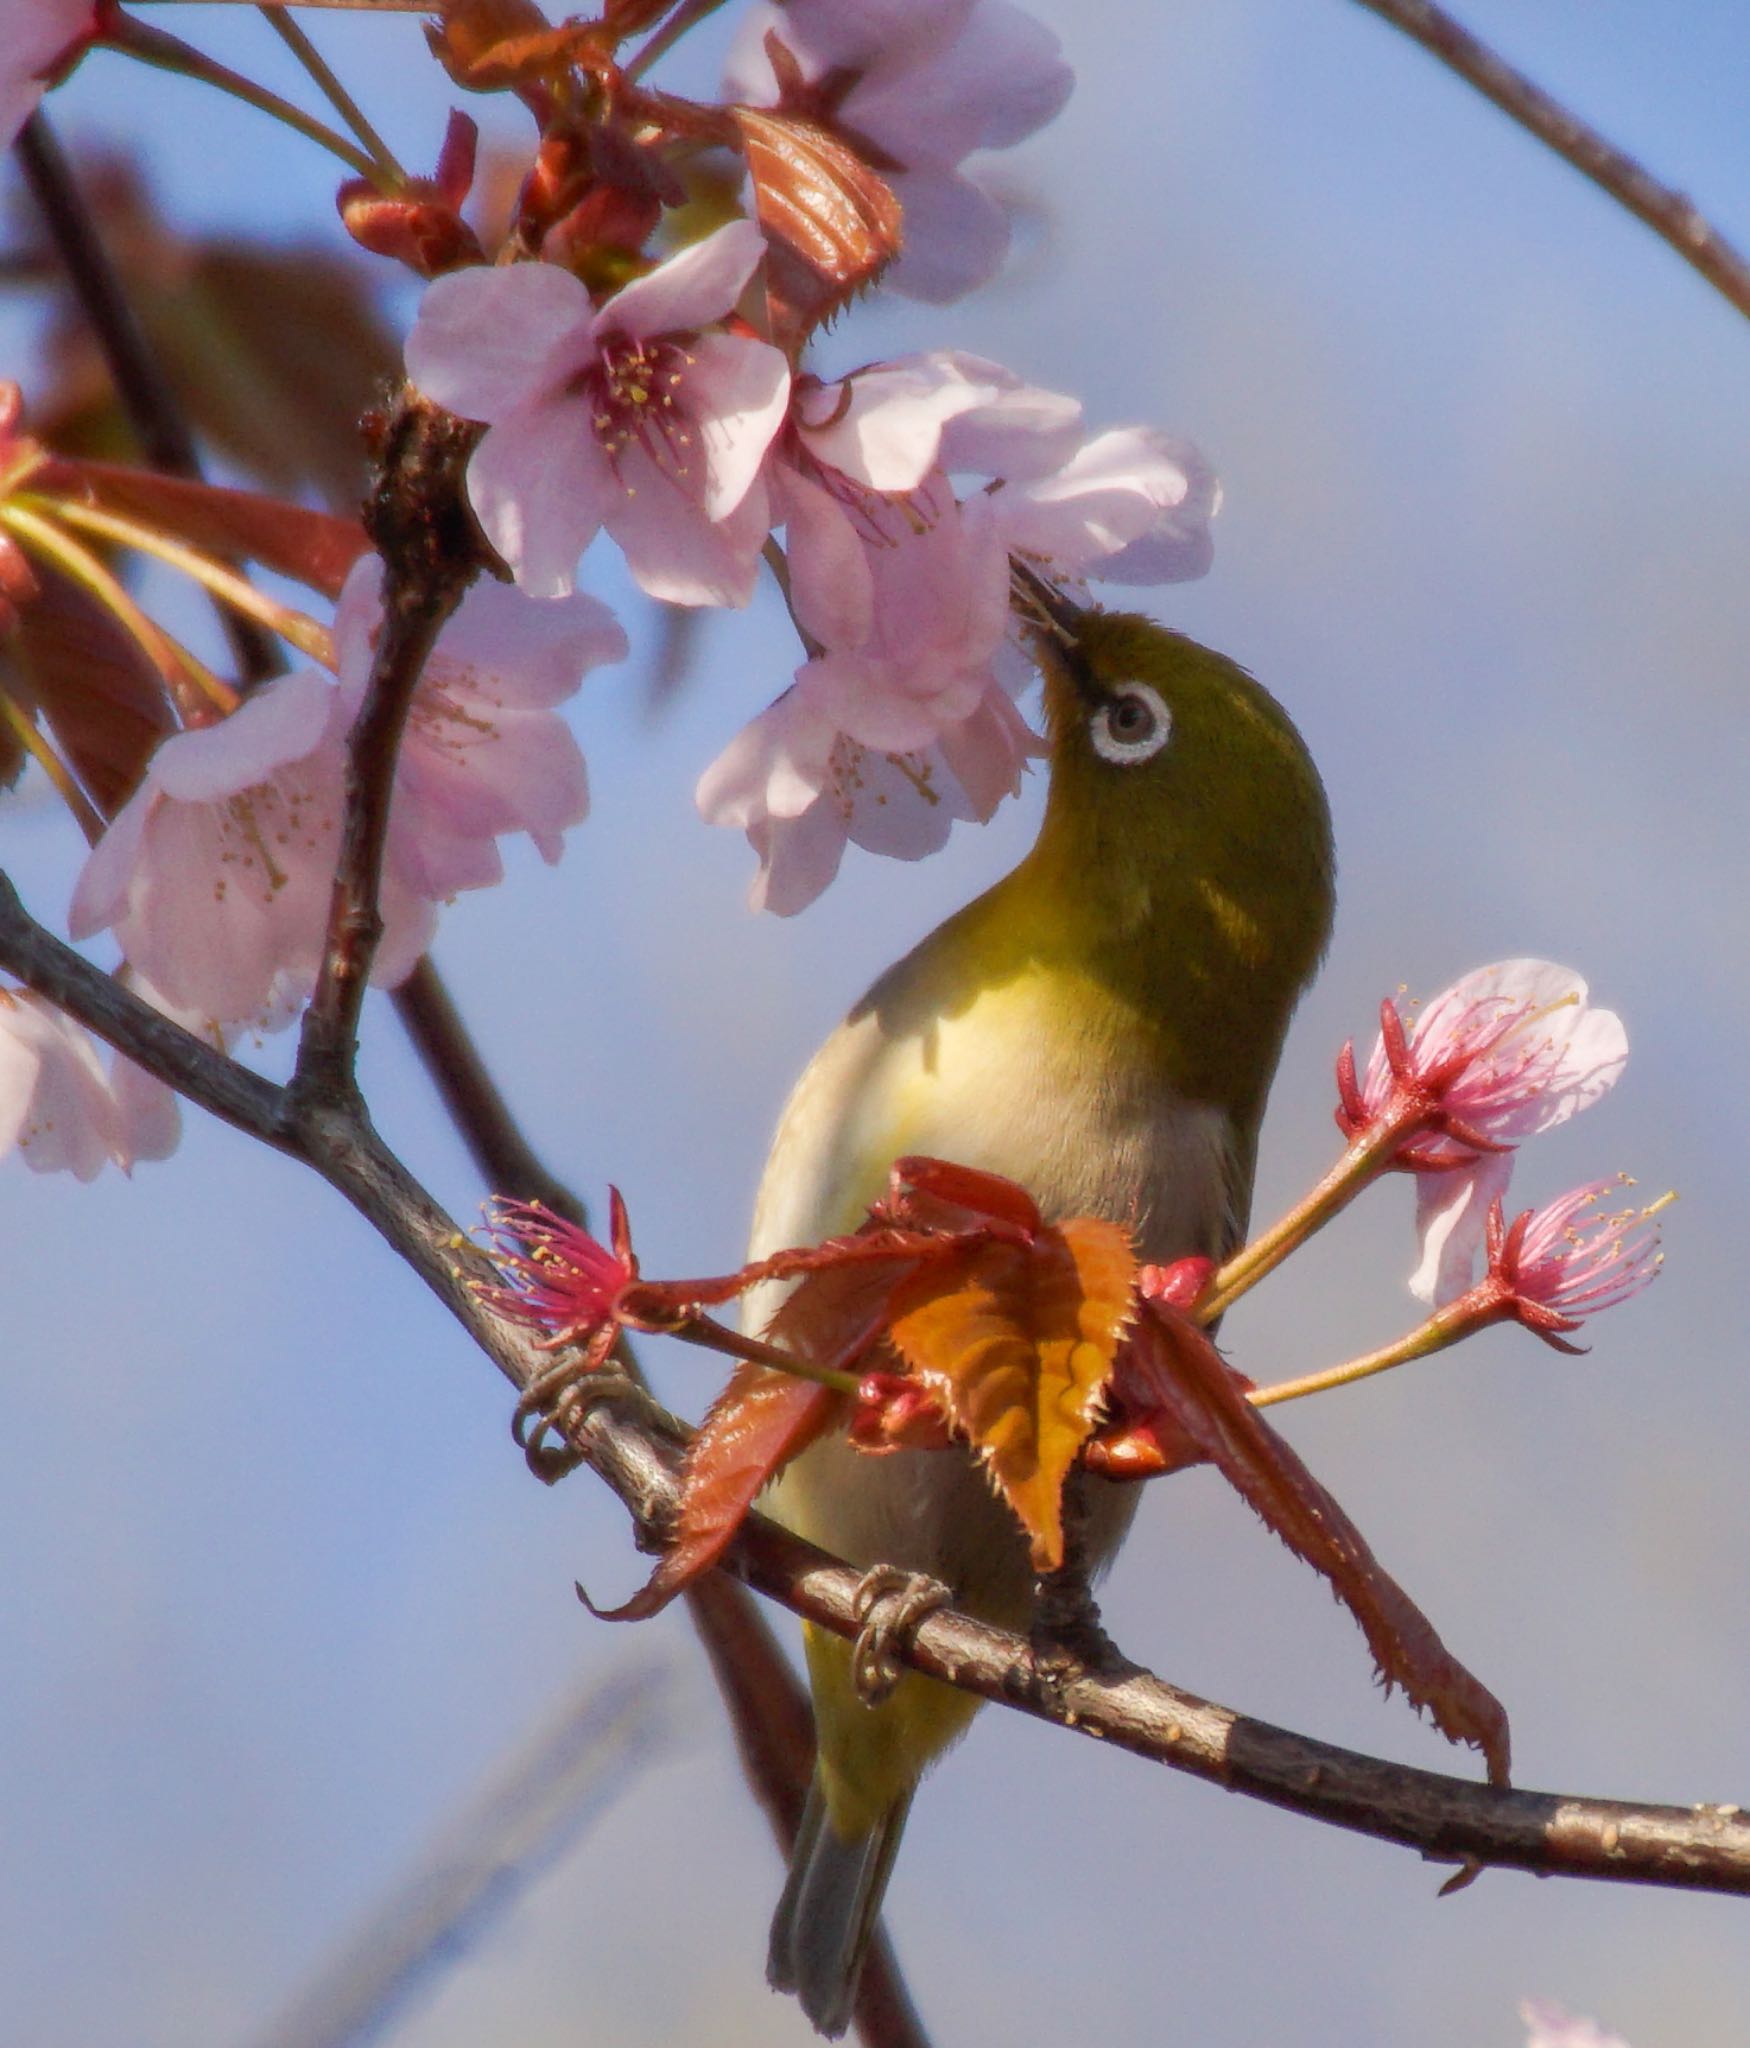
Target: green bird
{"points": [[1102, 1026]]}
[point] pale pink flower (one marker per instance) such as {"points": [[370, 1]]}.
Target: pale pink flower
{"points": [[1568, 1260], [802, 789], [1507, 1052], [484, 752], [215, 875], [40, 36], [59, 1108], [1130, 505], [628, 416], [1548, 2025], [921, 85]]}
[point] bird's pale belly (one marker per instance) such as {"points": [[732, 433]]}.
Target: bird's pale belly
{"points": [[1005, 1086]]}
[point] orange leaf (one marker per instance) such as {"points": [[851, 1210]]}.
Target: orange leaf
{"points": [[756, 1426], [1170, 1365], [1017, 1340], [831, 224]]}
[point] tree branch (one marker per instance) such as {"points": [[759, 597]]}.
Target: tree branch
{"points": [[636, 1448], [1672, 215]]}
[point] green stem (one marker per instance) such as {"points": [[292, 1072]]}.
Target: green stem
{"points": [[334, 92], [169, 53], [1365, 1160], [1447, 1326], [24, 730], [712, 1335]]}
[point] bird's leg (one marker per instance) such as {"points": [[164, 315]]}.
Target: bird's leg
{"points": [[1066, 1628], [889, 1603], [554, 1398]]}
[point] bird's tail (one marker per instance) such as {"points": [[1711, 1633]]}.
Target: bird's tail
{"points": [[821, 1929]]}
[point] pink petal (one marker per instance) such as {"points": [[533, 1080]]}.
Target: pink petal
{"points": [[1019, 430], [693, 288], [540, 486], [281, 722], [1451, 1211], [1116, 489], [529, 653], [830, 583], [1001, 79], [673, 550], [798, 858], [55, 1105], [486, 343], [776, 766], [101, 892], [883, 426], [736, 394], [955, 236]]}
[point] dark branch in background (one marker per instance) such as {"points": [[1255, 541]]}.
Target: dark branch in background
{"points": [[1672, 215], [636, 1448], [152, 412]]}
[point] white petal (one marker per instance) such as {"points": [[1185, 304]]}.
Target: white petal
{"points": [[736, 394], [1451, 1211], [540, 484], [955, 236]]}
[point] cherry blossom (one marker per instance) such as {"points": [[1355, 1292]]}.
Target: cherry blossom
{"points": [[215, 875], [1548, 2025], [484, 752], [1508, 1051], [57, 1106], [41, 36], [557, 1277], [626, 416], [1555, 1266], [801, 790], [920, 85]]}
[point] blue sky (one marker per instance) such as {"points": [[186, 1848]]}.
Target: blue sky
{"points": [[280, 1594]]}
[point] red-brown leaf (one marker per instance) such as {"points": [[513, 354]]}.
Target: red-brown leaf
{"points": [[101, 698], [313, 548], [831, 223], [1171, 1365], [1017, 1341], [756, 1426]]}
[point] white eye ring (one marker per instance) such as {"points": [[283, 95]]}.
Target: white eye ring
{"points": [[1132, 726]]}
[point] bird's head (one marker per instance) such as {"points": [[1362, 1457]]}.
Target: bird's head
{"points": [[1186, 822]]}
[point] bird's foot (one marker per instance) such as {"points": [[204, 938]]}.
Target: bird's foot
{"points": [[552, 1403], [889, 1604], [1066, 1634]]}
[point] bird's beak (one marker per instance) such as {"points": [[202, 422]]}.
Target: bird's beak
{"points": [[1042, 607]]}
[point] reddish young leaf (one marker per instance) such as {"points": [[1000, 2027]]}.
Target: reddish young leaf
{"points": [[1171, 1365], [831, 223], [1017, 1341], [314, 548], [756, 1426], [71, 663], [935, 1194]]}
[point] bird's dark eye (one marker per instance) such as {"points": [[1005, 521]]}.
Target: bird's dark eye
{"points": [[1132, 725]]}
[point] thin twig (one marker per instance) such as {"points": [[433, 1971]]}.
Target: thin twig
{"points": [[152, 409], [418, 521], [636, 1448], [1672, 215]]}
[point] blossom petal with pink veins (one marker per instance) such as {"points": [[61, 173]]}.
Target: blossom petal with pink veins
{"points": [[831, 585], [1519, 1047], [486, 342], [672, 549], [286, 720], [55, 1105], [1452, 1210], [692, 288], [737, 393], [988, 753], [1001, 79], [541, 487]]}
